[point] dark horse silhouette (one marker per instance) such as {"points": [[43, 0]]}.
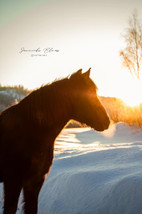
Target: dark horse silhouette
{"points": [[28, 131]]}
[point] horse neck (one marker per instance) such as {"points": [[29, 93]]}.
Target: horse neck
{"points": [[50, 108]]}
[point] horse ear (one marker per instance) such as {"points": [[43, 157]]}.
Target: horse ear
{"points": [[87, 73], [77, 73]]}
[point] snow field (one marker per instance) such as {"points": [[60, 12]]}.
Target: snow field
{"points": [[94, 173]]}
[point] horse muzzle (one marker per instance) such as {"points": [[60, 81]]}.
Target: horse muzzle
{"points": [[103, 126]]}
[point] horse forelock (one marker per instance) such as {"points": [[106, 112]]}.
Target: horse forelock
{"points": [[83, 85]]}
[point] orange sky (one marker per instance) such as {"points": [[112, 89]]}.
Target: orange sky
{"points": [[87, 34]]}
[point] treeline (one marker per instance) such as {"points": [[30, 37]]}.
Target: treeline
{"points": [[116, 108], [10, 95], [19, 89]]}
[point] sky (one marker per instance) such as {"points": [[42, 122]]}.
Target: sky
{"points": [[43, 40]]}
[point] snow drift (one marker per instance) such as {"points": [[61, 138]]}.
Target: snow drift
{"points": [[94, 173]]}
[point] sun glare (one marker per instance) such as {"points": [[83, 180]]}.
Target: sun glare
{"points": [[133, 96], [133, 101]]}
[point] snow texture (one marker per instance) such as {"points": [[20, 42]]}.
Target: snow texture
{"points": [[94, 173]]}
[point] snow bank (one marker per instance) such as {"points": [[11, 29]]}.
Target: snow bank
{"points": [[94, 173]]}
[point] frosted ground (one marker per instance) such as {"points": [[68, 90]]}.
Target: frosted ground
{"points": [[94, 173]]}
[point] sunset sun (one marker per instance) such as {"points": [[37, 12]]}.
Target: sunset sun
{"points": [[133, 101], [133, 95]]}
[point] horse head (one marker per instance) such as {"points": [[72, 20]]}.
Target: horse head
{"points": [[85, 104]]}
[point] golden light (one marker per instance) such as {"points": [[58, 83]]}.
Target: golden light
{"points": [[133, 95], [133, 101]]}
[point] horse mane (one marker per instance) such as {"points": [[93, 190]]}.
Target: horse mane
{"points": [[45, 104], [44, 100]]}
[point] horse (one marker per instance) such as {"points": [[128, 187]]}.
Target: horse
{"points": [[29, 128]]}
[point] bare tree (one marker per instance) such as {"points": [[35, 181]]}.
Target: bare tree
{"points": [[132, 53]]}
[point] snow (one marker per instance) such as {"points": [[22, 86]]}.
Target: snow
{"points": [[94, 173], [12, 93]]}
